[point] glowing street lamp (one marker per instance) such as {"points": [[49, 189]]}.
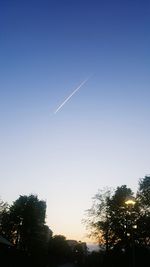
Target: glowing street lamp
{"points": [[130, 202]]}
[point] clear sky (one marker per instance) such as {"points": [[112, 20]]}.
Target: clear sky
{"points": [[101, 136]]}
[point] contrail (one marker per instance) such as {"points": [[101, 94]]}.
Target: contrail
{"points": [[66, 100]]}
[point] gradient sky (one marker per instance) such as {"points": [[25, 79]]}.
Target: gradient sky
{"points": [[101, 136]]}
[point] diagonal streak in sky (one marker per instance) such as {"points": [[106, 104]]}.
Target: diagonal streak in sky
{"points": [[67, 99]]}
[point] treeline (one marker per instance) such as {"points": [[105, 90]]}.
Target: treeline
{"points": [[23, 224], [119, 219]]}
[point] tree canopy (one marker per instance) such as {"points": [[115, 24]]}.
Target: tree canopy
{"points": [[24, 224], [113, 221]]}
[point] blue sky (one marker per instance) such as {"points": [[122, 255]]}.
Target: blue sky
{"points": [[101, 136]]}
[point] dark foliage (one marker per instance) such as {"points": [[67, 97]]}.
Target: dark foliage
{"points": [[24, 225], [114, 221]]}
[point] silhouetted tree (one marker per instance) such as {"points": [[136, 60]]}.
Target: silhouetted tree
{"points": [[124, 227], [97, 220], [122, 218], [143, 224], [24, 225], [59, 250], [80, 253], [3, 206], [3, 211], [108, 216], [143, 193]]}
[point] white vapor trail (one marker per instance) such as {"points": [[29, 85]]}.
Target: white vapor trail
{"points": [[66, 100]]}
